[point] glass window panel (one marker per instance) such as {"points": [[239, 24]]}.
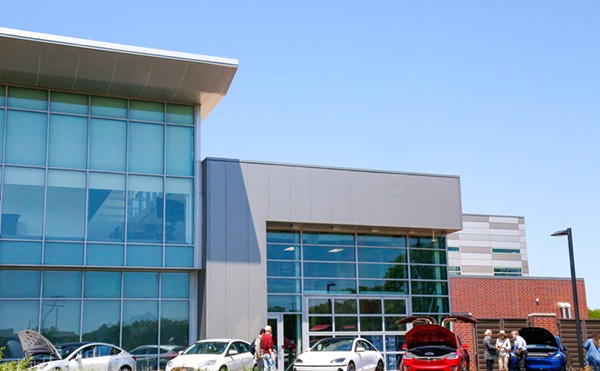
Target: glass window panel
{"points": [[60, 320], [106, 207], [394, 343], [179, 256], [105, 255], [328, 253], [65, 205], [345, 306], [26, 138], [179, 216], [1, 133], [382, 271], [283, 237], [146, 111], [68, 103], [429, 304], [109, 107], [342, 270], [428, 256], [283, 286], [175, 322], [283, 252], [370, 306], [56, 253], [19, 284], [28, 98], [382, 287], [346, 324], [377, 342], [20, 252], [330, 286], [140, 285], [428, 272], [62, 284], [388, 241], [283, 269], [283, 303], [180, 114], [391, 325], [320, 324], [319, 306], [102, 284], [375, 255], [144, 255], [68, 142], [144, 213], [175, 285], [427, 242], [2, 95], [101, 320], [371, 324], [328, 239], [140, 323], [180, 150], [429, 288], [18, 314], [146, 142], [23, 203], [394, 306], [108, 144]]}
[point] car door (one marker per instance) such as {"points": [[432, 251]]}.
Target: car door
{"points": [[246, 358], [84, 359]]}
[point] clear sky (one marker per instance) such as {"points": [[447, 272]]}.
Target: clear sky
{"points": [[505, 94]]}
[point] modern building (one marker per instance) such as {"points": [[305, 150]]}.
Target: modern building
{"points": [[489, 245], [113, 229]]}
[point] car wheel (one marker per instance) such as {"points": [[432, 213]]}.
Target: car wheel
{"points": [[223, 368], [351, 367], [379, 366], [125, 368]]}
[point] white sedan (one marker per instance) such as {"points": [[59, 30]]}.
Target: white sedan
{"points": [[214, 355], [340, 353]]}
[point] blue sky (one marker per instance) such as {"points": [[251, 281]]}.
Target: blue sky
{"points": [[505, 94]]}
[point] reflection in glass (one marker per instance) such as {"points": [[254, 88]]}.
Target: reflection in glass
{"points": [[175, 285], [144, 255], [1, 132], [346, 324], [180, 150], [146, 143], [381, 241], [106, 207], [429, 288], [180, 114], [430, 304], [342, 270], [391, 325], [283, 237], [428, 256], [2, 94], [107, 144], [393, 343], [174, 322], [283, 286], [26, 138], [19, 284], [67, 145], [19, 314], [427, 272], [370, 306], [62, 284], [283, 269], [60, 320], [140, 285], [382, 271], [179, 217], [319, 306], [109, 107], [382, 287], [146, 111], [329, 286], [144, 209], [140, 323], [317, 324], [108, 255], [284, 303], [59, 253], [427, 242], [376, 255], [101, 320], [283, 252], [65, 205], [179, 256], [20, 252], [345, 306], [394, 306], [28, 98], [328, 239], [102, 285], [377, 341], [328, 253], [371, 324], [69, 103]]}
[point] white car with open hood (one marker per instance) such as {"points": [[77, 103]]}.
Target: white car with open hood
{"points": [[89, 356]]}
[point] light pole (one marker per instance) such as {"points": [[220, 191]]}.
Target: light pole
{"points": [[567, 232]]}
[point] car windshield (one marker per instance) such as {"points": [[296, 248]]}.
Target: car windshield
{"points": [[207, 347], [333, 345]]}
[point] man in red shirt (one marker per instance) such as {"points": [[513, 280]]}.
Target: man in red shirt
{"points": [[267, 347]]}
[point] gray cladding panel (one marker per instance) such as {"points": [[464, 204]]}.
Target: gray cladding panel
{"points": [[300, 192], [320, 194]]}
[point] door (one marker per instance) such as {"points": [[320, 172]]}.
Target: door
{"points": [[276, 323]]}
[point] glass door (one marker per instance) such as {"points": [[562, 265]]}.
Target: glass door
{"points": [[276, 323]]}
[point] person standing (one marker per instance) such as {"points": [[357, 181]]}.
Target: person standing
{"points": [[489, 350], [520, 349], [592, 352], [503, 347], [258, 351], [267, 348]]}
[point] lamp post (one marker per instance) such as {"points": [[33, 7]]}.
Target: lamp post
{"points": [[567, 232]]}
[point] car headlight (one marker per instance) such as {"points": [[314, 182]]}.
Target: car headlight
{"points": [[451, 356], [338, 360], [408, 356], [558, 355], [207, 363]]}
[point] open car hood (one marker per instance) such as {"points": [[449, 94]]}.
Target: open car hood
{"points": [[538, 335], [35, 343], [430, 335]]}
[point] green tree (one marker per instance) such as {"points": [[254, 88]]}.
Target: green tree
{"points": [[593, 313]]}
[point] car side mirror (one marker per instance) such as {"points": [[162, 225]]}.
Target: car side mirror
{"points": [[360, 349], [232, 352]]}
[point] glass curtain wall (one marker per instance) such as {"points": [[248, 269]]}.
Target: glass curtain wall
{"points": [[351, 284], [91, 186]]}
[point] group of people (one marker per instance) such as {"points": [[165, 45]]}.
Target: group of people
{"points": [[263, 354], [501, 350]]}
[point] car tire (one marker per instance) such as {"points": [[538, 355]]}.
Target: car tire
{"points": [[379, 366], [351, 367], [223, 368], [125, 368]]}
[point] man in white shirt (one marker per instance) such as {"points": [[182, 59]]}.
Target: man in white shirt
{"points": [[520, 349]]}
